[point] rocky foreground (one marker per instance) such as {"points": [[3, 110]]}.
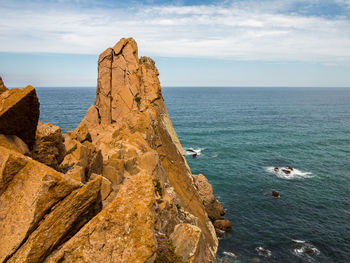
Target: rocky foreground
{"points": [[116, 189]]}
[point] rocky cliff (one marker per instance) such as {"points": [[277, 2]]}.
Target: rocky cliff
{"points": [[116, 189]]}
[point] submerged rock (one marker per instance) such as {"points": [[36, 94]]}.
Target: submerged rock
{"points": [[275, 194]]}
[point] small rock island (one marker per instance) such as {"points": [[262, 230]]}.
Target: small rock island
{"points": [[116, 189]]}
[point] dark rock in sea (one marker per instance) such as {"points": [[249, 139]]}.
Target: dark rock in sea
{"points": [[255, 260], [223, 224], [275, 194], [286, 171], [219, 233], [310, 251]]}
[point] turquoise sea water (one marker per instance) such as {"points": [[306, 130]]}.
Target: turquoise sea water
{"points": [[242, 133]]}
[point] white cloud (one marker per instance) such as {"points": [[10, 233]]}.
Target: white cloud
{"points": [[245, 30]]}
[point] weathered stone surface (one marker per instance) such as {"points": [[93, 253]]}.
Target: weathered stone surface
{"points": [[189, 243], [2, 86], [64, 221], [81, 134], [19, 113], [212, 206], [106, 188], [12, 142], [122, 232], [131, 109], [32, 189], [49, 145], [76, 172]]}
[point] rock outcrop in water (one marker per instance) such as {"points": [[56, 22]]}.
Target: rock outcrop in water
{"points": [[120, 190]]}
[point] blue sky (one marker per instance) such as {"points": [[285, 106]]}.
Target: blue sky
{"points": [[194, 43]]}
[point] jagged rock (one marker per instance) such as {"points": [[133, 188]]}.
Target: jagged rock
{"points": [[2, 86], [12, 142], [223, 224], [76, 172], [81, 134], [188, 240], [212, 206], [49, 145], [19, 113], [130, 108], [63, 221], [122, 232], [106, 188], [84, 155], [29, 190]]}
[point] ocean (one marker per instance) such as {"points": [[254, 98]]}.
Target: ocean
{"points": [[242, 134]]}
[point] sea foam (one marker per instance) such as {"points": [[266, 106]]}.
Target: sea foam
{"points": [[293, 175]]}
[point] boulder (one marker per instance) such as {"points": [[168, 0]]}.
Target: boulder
{"points": [[29, 190], [223, 224], [19, 113], [212, 206], [49, 145], [2, 86], [189, 243]]}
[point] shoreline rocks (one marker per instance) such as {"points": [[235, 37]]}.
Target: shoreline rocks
{"points": [[121, 189]]}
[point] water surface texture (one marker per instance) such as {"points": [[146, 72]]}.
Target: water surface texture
{"points": [[242, 134]]}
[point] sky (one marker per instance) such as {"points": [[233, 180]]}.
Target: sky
{"points": [[292, 43]]}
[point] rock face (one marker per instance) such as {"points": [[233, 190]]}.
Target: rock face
{"points": [[28, 191], [130, 108], [122, 190], [212, 206], [49, 147], [19, 113]]}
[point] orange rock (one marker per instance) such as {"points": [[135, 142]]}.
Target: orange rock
{"points": [[31, 190], [49, 147], [122, 232], [133, 120], [64, 220], [2, 86], [12, 142], [189, 242], [212, 206], [19, 113]]}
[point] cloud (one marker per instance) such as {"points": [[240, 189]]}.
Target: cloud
{"points": [[243, 30]]}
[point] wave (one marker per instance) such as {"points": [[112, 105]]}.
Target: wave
{"points": [[191, 151], [290, 175], [263, 252], [305, 249], [230, 254]]}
